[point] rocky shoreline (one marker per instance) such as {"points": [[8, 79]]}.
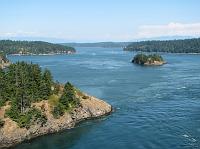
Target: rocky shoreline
{"points": [[155, 63], [90, 107]]}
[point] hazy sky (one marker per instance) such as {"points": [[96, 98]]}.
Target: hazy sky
{"points": [[99, 20]]}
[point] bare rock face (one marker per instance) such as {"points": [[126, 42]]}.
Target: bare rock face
{"points": [[155, 63], [91, 107], [4, 62]]}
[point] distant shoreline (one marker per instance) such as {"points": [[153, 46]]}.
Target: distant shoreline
{"points": [[48, 54], [163, 52]]}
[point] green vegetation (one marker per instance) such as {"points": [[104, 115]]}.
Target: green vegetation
{"points": [[172, 46], [67, 101], [32, 47], [58, 110], [26, 119], [23, 84], [143, 59]]}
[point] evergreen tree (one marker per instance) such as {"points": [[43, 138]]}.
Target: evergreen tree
{"points": [[22, 84], [68, 99], [2, 87], [46, 84]]}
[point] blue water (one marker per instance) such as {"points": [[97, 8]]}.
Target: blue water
{"points": [[155, 107]]}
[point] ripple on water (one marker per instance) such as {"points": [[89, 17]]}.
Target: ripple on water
{"points": [[156, 107]]}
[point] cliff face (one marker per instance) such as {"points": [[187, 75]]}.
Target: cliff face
{"points": [[90, 107]]}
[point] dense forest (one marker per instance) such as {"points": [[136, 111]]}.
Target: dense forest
{"points": [[22, 84], [143, 59], [33, 47], [171, 46]]}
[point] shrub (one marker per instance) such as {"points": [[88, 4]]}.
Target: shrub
{"points": [[85, 97], [58, 110], [28, 118], [2, 103], [53, 100], [13, 112]]}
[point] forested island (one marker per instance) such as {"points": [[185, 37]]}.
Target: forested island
{"points": [[32, 104], [171, 46], [148, 60], [33, 48]]}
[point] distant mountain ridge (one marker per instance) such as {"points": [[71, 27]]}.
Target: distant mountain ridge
{"points": [[99, 44], [123, 44]]}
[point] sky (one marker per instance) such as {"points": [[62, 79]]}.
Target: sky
{"points": [[98, 20]]}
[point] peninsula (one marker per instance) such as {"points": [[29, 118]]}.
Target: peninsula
{"points": [[32, 104], [10, 47], [168, 46]]}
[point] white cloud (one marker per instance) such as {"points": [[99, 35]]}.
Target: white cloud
{"points": [[144, 31], [17, 33], [171, 29]]}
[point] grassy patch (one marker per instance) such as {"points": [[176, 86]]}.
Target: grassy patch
{"points": [[53, 100]]}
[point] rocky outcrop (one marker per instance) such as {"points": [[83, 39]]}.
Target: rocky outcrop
{"points": [[154, 63], [90, 107], [4, 62]]}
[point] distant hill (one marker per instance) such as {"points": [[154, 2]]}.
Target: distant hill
{"points": [[33, 47], [99, 44], [171, 46]]}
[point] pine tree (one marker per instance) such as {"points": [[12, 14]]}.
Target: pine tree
{"points": [[2, 87], [68, 99], [46, 84]]}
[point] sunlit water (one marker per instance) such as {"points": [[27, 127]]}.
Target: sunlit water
{"points": [[155, 107]]}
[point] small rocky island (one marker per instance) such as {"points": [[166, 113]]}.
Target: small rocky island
{"points": [[32, 104], [148, 60]]}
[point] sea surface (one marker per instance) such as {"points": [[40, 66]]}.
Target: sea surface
{"points": [[155, 107]]}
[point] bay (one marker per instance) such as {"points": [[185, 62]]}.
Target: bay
{"points": [[155, 107]]}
